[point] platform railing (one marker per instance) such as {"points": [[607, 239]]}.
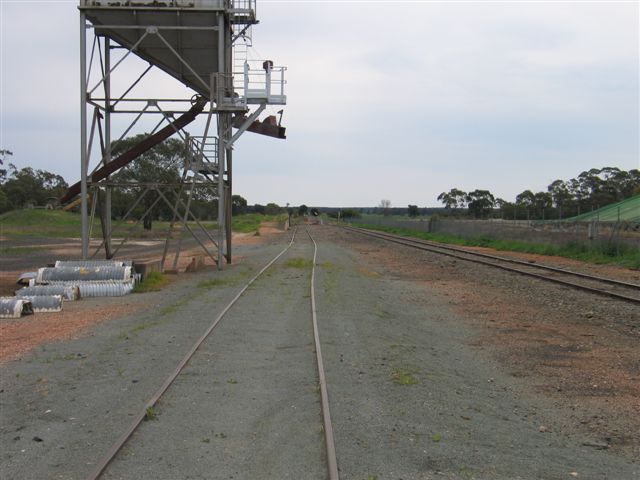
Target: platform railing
{"points": [[261, 81], [202, 154]]}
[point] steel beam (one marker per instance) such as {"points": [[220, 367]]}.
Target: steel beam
{"points": [[106, 230], [83, 137]]}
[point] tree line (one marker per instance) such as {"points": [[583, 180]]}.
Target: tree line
{"points": [[163, 164], [591, 190]]}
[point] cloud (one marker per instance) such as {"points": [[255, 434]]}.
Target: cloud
{"points": [[400, 100]]}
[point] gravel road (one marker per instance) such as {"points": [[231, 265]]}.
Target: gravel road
{"points": [[410, 398]]}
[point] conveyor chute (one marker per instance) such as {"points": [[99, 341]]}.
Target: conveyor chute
{"points": [[142, 147]]}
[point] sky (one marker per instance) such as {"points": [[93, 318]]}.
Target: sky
{"points": [[388, 100]]}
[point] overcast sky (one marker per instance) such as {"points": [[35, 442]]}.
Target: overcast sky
{"points": [[395, 100]]}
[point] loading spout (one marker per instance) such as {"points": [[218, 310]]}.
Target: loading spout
{"points": [[142, 147], [269, 127]]}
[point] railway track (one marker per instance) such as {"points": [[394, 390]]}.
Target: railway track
{"points": [[331, 460], [625, 291]]}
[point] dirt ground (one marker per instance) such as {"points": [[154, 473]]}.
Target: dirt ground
{"points": [[22, 335]]}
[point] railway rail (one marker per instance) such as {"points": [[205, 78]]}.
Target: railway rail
{"points": [[625, 291], [332, 467]]}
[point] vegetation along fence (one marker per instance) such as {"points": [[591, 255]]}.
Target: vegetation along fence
{"points": [[594, 233]]}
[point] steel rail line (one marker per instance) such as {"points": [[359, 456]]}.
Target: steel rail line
{"points": [[332, 462], [115, 448], [466, 254]]}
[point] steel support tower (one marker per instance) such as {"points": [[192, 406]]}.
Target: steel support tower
{"points": [[200, 43]]}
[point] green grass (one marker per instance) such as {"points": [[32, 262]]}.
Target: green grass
{"points": [[209, 284], [625, 256], [150, 414], [17, 251], [43, 223], [57, 223], [299, 263], [143, 326], [250, 222], [403, 376], [154, 282]]}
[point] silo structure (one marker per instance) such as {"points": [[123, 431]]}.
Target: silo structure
{"points": [[202, 44]]}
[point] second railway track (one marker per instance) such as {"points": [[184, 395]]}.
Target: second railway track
{"points": [[625, 291], [104, 466]]}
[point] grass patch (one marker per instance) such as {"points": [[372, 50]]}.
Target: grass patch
{"points": [[623, 255], [150, 414], [209, 284], [154, 282], [16, 251], [172, 308], [299, 263], [250, 222], [143, 326], [403, 376], [436, 437], [43, 223]]}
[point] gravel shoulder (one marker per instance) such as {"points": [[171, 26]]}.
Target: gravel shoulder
{"points": [[414, 394]]}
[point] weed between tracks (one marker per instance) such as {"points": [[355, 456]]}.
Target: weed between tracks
{"points": [[299, 263], [403, 376], [150, 414]]}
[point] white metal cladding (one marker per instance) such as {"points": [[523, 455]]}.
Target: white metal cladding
{"points": [[93, 263], [104, 289], [111, 288], [68, 292], [14, 307], [46, 275], [45, 303]]}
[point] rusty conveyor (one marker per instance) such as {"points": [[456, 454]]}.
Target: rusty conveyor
{"points": [[269, 126], [142, 147]]}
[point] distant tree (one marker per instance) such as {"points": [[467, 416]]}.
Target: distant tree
{"points": [[560, 195], [238, 205], [385, 206], [542, 204], [349, 213], [303, 209], [413, 211], [272, 209], [526, 199], [159, 165], [454, 198], [30, 187], [480, 203], [5, 204], [314, 211], [3, 171], [257, 208]]}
